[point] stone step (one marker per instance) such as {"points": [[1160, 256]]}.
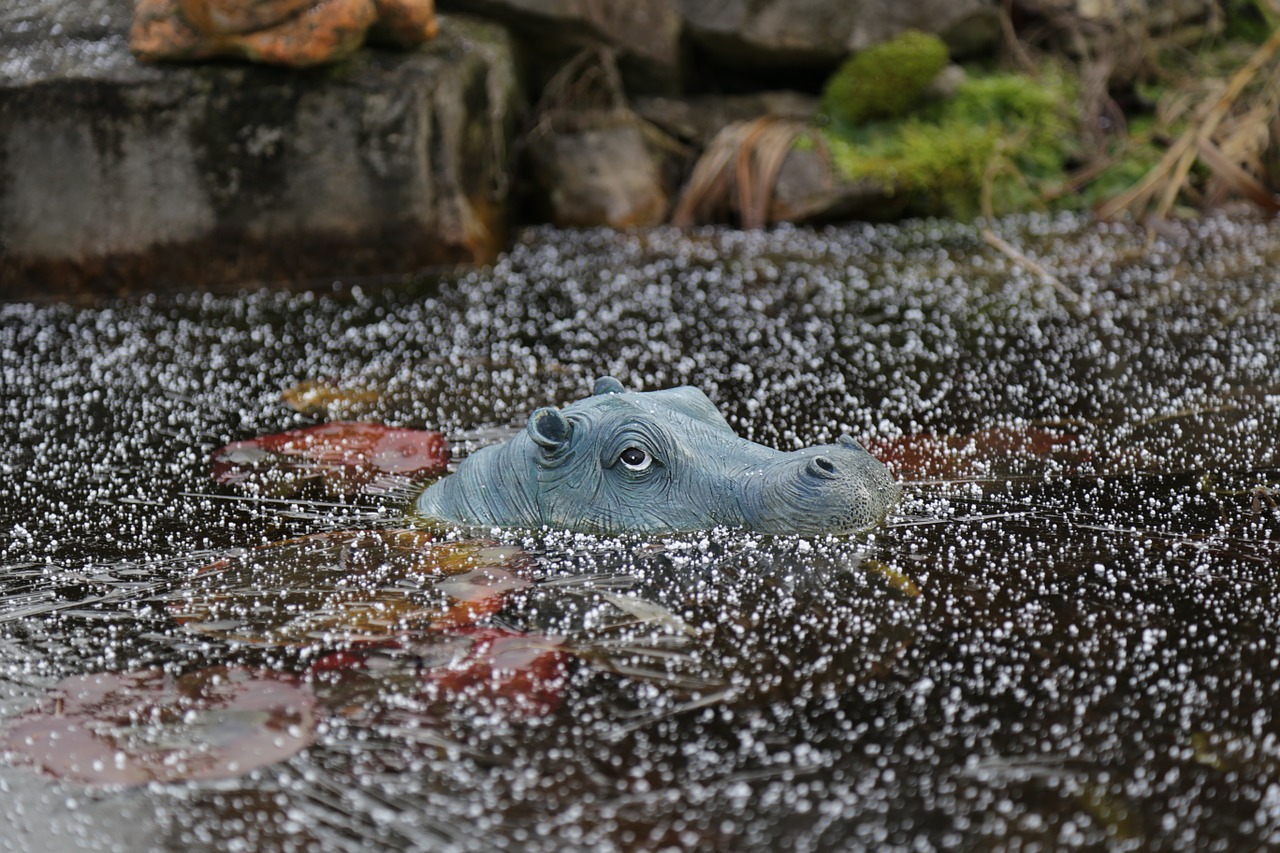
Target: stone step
{"points": [[118, 176]]}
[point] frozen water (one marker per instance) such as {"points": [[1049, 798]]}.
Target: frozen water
{"points": [[1070, 645]]}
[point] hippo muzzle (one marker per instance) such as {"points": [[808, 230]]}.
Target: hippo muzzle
{"points": [[658, 462], [834, 488]]}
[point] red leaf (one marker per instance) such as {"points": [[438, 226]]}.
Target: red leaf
{"points": [[516, 675], [997, 452], [519, 675], [345, 457]]}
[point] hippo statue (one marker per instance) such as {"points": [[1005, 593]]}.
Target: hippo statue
{"points": [[658, 462]]}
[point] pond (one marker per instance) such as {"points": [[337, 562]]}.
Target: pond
{"points": [[1066, 635]]}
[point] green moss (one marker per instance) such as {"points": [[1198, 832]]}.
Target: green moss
{"points": [[884, 81], [1010, 133]]}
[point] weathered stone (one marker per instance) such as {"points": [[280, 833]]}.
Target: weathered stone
{"points": [[807, 191], [602, 171], [1115, 36], [1154, 16], [800, 34], [115, 175], [644, 34], [699, 118], [296, 33], [946, 84]]}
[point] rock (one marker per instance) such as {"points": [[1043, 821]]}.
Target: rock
{"points": [[118, 176], [1156, 17], [806, 191], [644, 35], [1117, 35], [699, 118], [601, 170], [764, 36], [296, 33], [404, 23], [946, 84], [165, 29]]}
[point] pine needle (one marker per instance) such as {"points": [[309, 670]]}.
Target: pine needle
{"points": [[1168, 178], [738, 169]]}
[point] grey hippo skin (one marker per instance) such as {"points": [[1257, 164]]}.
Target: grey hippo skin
{"points": [[658, 462]]}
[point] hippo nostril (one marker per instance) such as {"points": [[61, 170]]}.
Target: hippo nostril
{"points": [[821, 466], [848, 441]]}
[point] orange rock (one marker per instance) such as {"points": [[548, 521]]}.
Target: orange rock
{"points": [[233, 17], [296, 33], [405, 23], [161, 31], [327, 32]]}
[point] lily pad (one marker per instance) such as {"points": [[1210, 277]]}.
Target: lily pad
{"points": [[340, 458], [137, 727], [350, 587]]}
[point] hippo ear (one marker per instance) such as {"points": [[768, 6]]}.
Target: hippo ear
{"points": [[549, 428], [606, 385]]}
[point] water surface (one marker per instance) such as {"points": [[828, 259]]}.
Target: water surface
{"points": [[1067, 636]]}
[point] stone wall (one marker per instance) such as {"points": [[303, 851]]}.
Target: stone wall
{"points": [[116, 175]]}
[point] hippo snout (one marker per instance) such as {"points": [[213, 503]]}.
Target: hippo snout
{"points": [[822, 468], [833, 488]]}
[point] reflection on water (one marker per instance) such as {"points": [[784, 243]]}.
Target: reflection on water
{"points": [[1068, 635]]}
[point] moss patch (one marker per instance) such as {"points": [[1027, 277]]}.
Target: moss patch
{"points": [[884, 81], [1006, 134]]}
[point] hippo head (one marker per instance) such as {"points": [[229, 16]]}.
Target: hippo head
{"points": [[658, 462]]}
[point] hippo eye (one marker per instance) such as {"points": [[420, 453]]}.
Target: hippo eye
{"points": [[635, 459]]}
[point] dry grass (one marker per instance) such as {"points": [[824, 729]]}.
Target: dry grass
{"points": [[738, 171], [1230, 143]]}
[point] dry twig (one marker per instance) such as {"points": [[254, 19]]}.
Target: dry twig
{"points": [[1169, 177], [1077, 304]]}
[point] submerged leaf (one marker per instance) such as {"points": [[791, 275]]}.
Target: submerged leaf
{"points": [[319, 397], [371, 586], [467, 670], [894, 578], [137, 727], [997, 452], [648, 612], [342, 458], [514, 674]]}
